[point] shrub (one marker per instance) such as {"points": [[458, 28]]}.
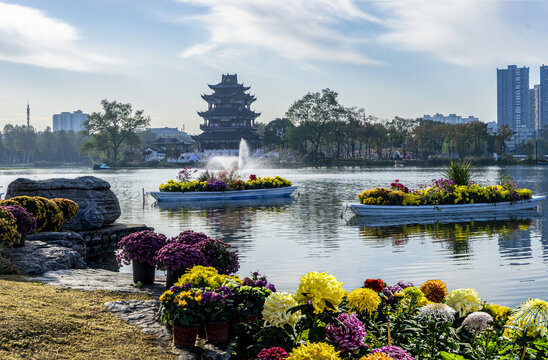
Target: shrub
{"points": [[68, 207], [54, 215], [26, 223], [33, 205], [8, 228]]}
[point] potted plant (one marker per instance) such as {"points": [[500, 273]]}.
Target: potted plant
{"points": [[219, 255], [176, 258], [140, 249], [180, 308], [218, 308], [26, 223], [250, 301]]}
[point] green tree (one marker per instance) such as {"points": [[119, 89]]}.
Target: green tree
{"points": [[504, 133], [116, 127], [276, 133]]}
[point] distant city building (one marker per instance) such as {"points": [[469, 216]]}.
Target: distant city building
{"points": [[492, 127], [69, 121], [228, 118], [452, 119], [543, 96], [513, 107], [534, 103], [167, 132]]}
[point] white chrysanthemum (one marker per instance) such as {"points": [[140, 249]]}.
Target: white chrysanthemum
{"points": [[465, 301], [436, 312], [477, 321], [275, 309], [530, 317]]}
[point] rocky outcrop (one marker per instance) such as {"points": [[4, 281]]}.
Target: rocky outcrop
{"points": [[52, 251], [98, 206]]}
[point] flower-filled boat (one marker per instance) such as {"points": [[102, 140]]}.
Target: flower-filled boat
{"points": [[445, 197], [222, 186]]}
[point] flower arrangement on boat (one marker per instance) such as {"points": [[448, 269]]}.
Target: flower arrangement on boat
{"points": [[444, 192], [220, 181], [322, 320]]}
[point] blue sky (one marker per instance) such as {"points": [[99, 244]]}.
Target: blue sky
{"points": [[394, 58]]}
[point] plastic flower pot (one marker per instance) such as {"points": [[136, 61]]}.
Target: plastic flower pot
{"points": [[184, 336], [217, 333], [173, 276], [143, 272], [250, 318]]}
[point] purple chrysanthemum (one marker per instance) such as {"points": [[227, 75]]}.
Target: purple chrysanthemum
{"points": [[140, 246], [26, 222], [175, 256], [219, 255], [395, 352], [189, 237], [347, 337], [404, 284]]}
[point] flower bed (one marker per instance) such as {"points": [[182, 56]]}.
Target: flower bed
{"points": [[325, 321], [222, 181], [444, 192]]}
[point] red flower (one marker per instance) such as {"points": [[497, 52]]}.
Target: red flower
{"points": [[252, 177], [374, 284], [273, 353]]}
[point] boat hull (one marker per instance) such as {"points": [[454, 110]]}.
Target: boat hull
{"points": [[164, 196], [431, 210]]}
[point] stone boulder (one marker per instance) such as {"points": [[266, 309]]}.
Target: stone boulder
{"points": [[98, 206]]}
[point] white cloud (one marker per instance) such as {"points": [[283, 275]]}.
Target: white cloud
{"points": [[297, 30], [29, 36], [464, 32]]}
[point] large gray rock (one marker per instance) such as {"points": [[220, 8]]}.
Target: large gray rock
{"points": [[98, 205], [53, 251]]}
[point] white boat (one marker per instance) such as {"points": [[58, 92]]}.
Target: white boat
{"points": [[437, 210], [223, 195]]}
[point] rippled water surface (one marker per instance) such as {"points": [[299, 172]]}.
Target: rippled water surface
{"points": [[505, 260]]}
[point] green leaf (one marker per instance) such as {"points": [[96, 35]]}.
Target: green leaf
{"points": [[449, 356]]}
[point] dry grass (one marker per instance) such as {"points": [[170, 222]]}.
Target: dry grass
{"points": [[46, 322]]}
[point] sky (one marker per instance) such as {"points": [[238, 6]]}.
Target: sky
{"points": [[393, 58]]}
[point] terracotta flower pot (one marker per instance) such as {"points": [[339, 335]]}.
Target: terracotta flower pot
{"points": [[173, 276], [217, 333], [184, 336], [143, 272]]}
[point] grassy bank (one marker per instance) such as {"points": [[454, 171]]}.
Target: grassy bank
{"points": [[46, 322]]}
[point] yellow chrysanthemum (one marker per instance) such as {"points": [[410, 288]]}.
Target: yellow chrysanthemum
{"points": [[205, 276], [364, 300], [314, 351], [498, 312], [275, 310], [414, 297], [465, 301], [434, 290], [377, 356], [531, 318], [320, 289]]}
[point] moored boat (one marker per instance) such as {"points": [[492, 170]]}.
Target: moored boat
{"points": [[456, 209], [285, 191]]}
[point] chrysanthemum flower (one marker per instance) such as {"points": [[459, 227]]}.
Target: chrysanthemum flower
{"points": [[395, 352], [347, 337], [530, 317], [434, 290], [436, 312], [364, 300], [273, 353], [477, 321], [320, 289], [314, 351], [275, 311], [498, 312], [464, 301], [374, 284], [414, 295], [377, 356]]}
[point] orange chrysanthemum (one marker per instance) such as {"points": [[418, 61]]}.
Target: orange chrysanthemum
{"points": [[434, 290], [377, 356]]}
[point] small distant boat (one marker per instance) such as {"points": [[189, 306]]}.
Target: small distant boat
{"points": [[436, 210], [545, 163], [285, 191], [101, 167]]}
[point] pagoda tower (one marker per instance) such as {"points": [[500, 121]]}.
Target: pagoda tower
{"points": [[228, 118]]}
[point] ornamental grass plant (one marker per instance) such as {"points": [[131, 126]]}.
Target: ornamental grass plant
{"points": [[461, 173]]}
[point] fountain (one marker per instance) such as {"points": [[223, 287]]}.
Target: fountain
{"points": [[226, 162]]}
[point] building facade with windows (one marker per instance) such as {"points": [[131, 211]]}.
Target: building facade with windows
{"points": [[513, 105], [69, 121], [543, 97]]}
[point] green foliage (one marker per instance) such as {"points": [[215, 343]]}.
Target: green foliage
{"points": [[251, 338], [49, 216], [113, 129], [460, 172]]}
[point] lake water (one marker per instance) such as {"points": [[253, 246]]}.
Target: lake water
{"points": [[505, 260]]}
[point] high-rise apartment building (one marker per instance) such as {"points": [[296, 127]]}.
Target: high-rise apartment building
{"points": [[69, 121], [534, 102], [543, 122], [513, 105]]}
